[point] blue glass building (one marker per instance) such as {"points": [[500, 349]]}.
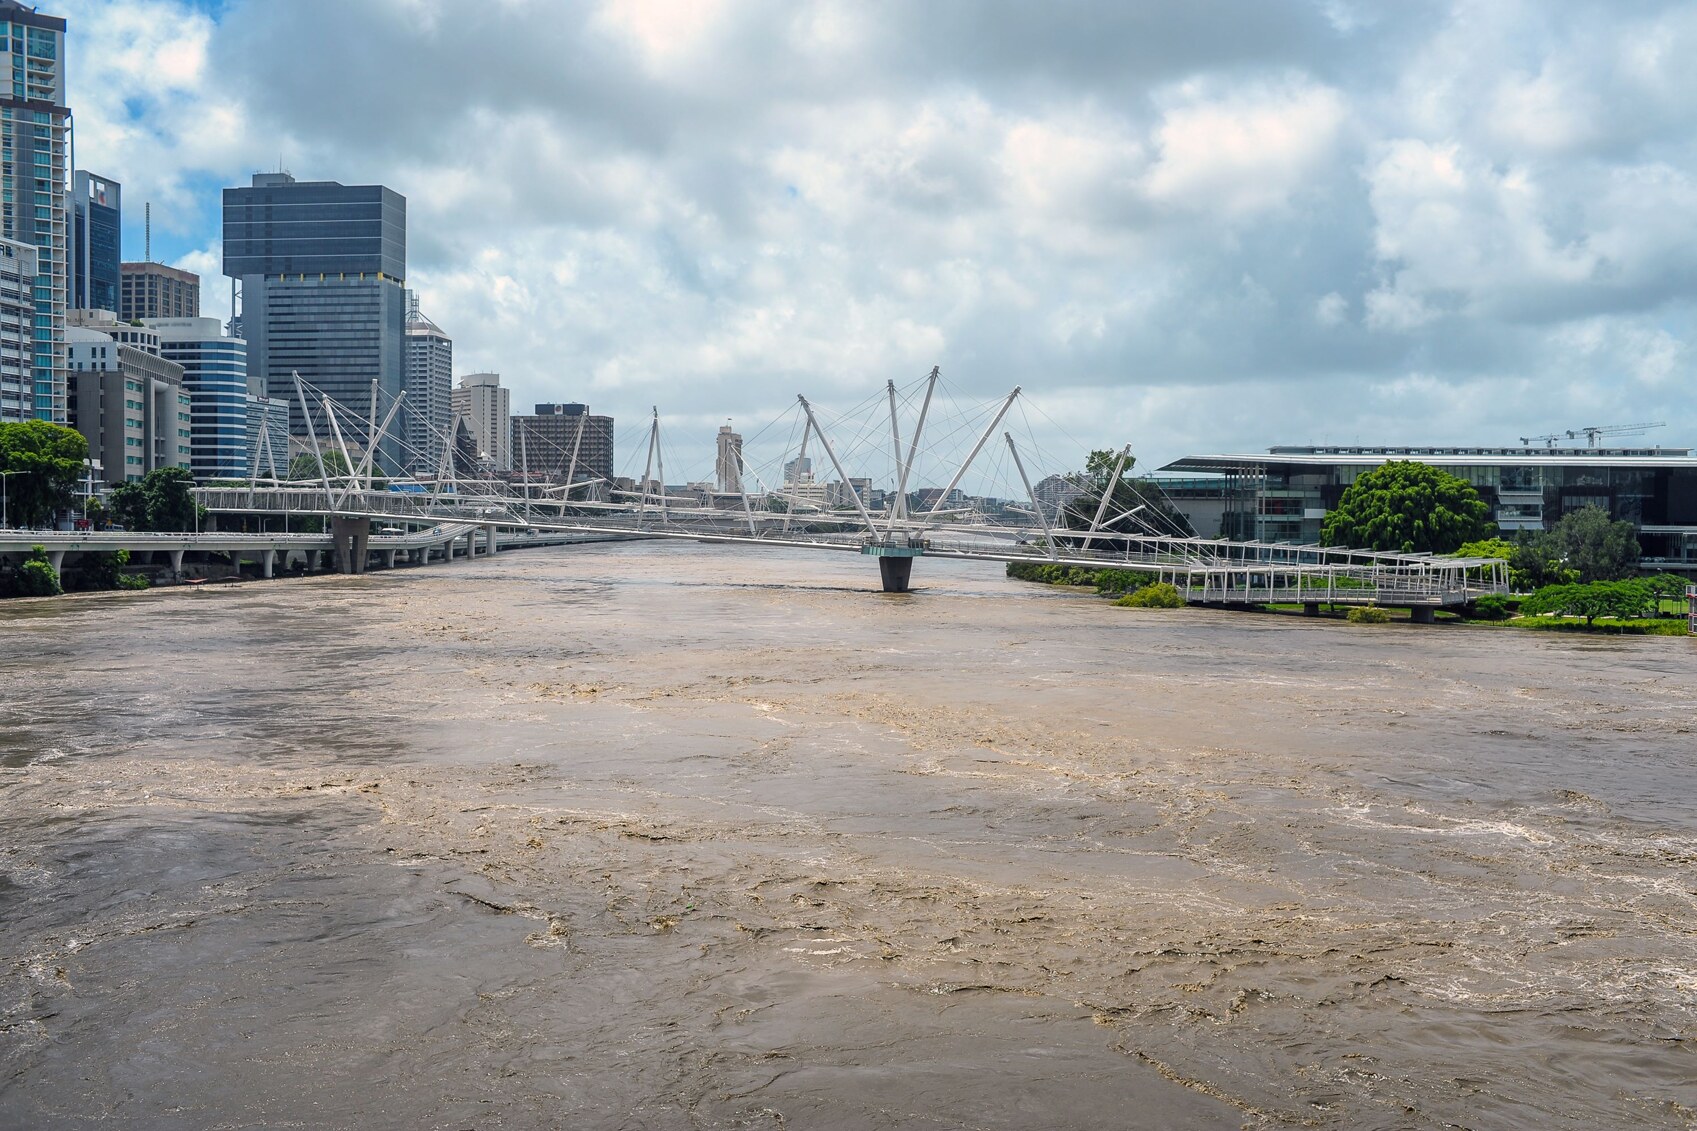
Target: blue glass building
{"points": [[34, 128], [96, 236], [216, 379]]}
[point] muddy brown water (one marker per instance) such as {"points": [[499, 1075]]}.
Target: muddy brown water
{"points": [[660, 836]]}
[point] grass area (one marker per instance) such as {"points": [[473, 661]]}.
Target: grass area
{"points": [[1673, 625], [1670, 626]]}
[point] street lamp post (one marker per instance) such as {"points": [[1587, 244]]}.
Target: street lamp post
{"points": [[4, 496]]}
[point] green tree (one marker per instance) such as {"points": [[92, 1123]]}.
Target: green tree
{"points": [[38, 578], [1532, 561], [43, 463], [1665, 586], [1486, 548], [1537, 563], [1620, 599], [160, 500], [306, 466], [1127, 494], [1409, 507], [1600, 549]]}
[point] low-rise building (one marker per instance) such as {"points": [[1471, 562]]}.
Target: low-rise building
{"points": [[127, 400], [153, 290], [1284, 494]]}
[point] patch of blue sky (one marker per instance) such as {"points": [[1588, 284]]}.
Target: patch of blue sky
{"points": [[181, 229]]}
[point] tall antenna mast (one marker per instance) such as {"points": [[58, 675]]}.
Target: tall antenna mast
{"points": [[147, 229]]}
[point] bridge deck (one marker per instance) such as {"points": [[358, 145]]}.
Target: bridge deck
{"points": [[1203, 570]]}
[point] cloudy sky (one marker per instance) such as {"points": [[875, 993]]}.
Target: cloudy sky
{"points": [[1192, 227]]}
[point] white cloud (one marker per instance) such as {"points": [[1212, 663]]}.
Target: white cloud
{"points": [[1331, 309], [1244, 151], [1173, 230]]}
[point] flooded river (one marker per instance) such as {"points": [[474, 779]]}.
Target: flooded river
{"points": [[659, 836]]}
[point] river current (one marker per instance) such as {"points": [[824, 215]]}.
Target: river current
{"points": [[660, 836]]}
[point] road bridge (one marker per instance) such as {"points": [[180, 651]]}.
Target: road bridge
{"points": [[349, 546]]}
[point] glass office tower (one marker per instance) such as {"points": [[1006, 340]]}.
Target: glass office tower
{"points": [[34, 122], [96, 235], [321, 268]]}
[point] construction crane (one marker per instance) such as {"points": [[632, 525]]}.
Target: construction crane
{"points": [[1595, 431], [1551, 439]]}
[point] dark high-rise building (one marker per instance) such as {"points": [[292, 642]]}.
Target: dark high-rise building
{"points": [[322, 271], [542, 444], [96, 231], [153, 290], [34, 126]]}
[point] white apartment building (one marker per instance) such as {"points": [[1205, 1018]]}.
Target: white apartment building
{"points": [[485, 407]]}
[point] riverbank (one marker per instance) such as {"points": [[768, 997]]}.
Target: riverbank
{"points": [[1123, 585]]}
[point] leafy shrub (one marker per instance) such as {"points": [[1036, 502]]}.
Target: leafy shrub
{"points": [[1369, 614], [1119, 581], [1492, 606], [38, 578], [1104, 580], [1160, 595], [1616, 599], [133, 581]]}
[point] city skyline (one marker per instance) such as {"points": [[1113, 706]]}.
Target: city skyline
{"points": [[1327, 224]]}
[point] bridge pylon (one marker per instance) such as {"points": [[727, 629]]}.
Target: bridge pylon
{"points": [[895, 561]]}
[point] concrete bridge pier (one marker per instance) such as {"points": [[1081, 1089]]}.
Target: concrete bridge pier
{"points": [[1311, 608], [389, 559], [177, 562], [350, 537], [314, 560], [267, 563], [56, 559], [895, 572], [471, 543], [1423, 614], [490, 541], [895, 562]]}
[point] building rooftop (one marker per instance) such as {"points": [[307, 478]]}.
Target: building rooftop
{"points": [[1404, 450], [27, 14], [1363, 456]]}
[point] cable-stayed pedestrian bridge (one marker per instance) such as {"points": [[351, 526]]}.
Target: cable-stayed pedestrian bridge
{"points": [[763, 495]]}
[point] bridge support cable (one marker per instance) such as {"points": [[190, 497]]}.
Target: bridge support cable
{"points": [[648, 465], [312, 433], [1107, 495], [369, 464], [976, 448], [371, 434], [896, 453], [347, 460], [571, 464], [825, 442], [906, 467], [1048, 535], [742, 489], [445, 464], [800, 461], [660, 466]]}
